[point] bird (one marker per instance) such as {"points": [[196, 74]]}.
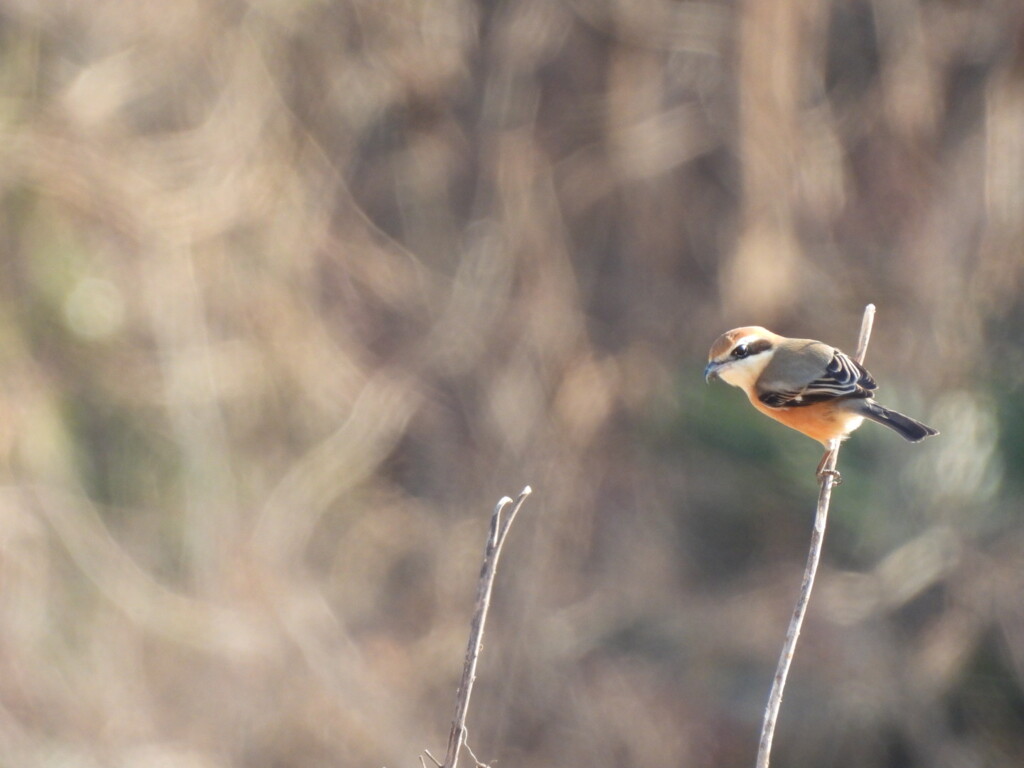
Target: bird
{"points": [[808, 385]]}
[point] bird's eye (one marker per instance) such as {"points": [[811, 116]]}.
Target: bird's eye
{"points": [[741, 351]]}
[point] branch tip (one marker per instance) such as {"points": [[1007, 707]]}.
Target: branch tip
{"points": [[495, 540]]}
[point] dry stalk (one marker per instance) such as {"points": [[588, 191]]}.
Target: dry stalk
{"points": [[771, 713], [485, 584]]}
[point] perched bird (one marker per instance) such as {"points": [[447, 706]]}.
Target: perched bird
{"points": [[805, 384]]}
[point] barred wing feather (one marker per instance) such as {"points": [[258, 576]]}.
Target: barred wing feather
{"points": [[843, 377]]}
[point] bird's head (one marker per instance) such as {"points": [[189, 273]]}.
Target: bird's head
{"points": [[739, 356]]}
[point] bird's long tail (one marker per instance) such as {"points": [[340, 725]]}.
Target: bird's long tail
{"points": [[911, 430]]}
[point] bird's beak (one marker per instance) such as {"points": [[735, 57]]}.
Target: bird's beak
{"points": [[711, 371]]}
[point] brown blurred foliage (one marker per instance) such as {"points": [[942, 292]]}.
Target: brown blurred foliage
{"points": [[295, 290]]}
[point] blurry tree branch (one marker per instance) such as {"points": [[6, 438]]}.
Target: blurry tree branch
{"points": [[495, 541], [346, 457], [828, 477], [153, 607]]}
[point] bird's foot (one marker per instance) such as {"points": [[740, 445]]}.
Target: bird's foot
{"points": [[837, 479]]}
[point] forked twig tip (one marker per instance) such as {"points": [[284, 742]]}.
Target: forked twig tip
{"points": [[496, 538]]}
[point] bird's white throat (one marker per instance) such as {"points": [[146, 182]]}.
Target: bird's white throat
{"points": [[743, 373]]}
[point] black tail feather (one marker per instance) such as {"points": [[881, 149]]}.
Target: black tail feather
{"points": [[911, 430]]}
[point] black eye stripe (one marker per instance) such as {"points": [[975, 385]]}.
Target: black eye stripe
{"points": [[751, 348]]}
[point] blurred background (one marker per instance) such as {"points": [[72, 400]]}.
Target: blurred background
{"points": [[293, 291]]}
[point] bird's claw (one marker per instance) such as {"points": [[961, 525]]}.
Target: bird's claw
{"points": [[837, 479]]}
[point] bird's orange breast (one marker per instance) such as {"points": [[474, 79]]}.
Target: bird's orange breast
{"points": [[824, 422]]}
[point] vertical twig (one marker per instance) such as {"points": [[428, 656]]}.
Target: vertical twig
{"points": [[771, 713], [495, 540]]}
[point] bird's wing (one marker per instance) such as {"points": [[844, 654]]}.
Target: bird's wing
{"points": [[841, 377]]}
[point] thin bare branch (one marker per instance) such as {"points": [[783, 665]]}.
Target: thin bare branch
{"points": [[495, 540], [475, 758], [865, 332], [817, 537]]}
